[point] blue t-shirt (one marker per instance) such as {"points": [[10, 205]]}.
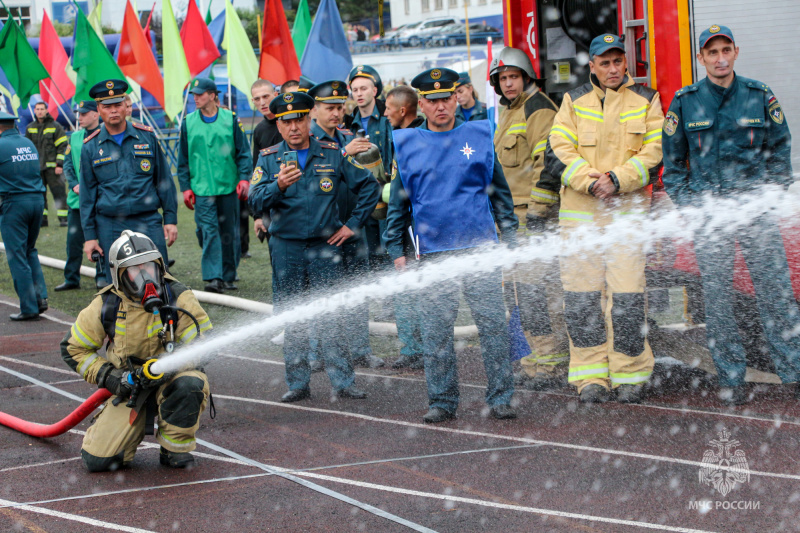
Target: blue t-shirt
{"points": [[302, 157], [365, 123], [118, 138], [209, 120], [467, 112]]}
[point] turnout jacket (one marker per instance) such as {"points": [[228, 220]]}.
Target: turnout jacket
{"points": [[612, 131], [136, 332], [520, 142], [50, 141], [308, 208], [725, 140]]}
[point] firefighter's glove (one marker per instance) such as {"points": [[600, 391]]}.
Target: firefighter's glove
{"points": [[115, 380]]}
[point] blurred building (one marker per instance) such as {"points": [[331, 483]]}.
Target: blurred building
{"points": [[410, 11]]}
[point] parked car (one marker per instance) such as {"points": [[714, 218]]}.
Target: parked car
{"points": [[456, 34], [410, 35]]}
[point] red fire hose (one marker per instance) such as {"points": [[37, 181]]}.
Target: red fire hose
{"points": [[73, 419]]}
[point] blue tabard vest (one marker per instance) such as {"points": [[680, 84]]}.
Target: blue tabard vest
{"points": [[446, 176]]}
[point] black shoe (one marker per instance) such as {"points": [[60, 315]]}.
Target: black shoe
{"points": [[369, 361], [42, 305], [731, 396], [594, 393], [316, 366], [175, 459], [629, 394], [436, 415], [229, 286], [542, 382], [352, 392], [19, 317], [215, 286], [44, 223], [63, 223], [296, 395], [503, 412], [414, 362], [246, 255], [170, 263], [67, 287]]}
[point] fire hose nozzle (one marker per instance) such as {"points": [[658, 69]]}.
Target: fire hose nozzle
{"points": [[146, 370]]}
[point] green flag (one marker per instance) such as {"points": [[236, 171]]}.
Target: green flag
{"points": [[91, 60], [242, 63], [301, 28], [176, 69], [20, 62]]}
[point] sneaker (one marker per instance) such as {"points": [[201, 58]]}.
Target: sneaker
{"points": [[175, 459], [594, 393]]}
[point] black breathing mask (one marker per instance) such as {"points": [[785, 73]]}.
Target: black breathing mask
{"points": [[144, 284]]}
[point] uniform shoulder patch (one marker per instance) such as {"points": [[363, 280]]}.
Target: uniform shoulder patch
{"points": [[140, 126], [537, 102], [671, 122], [644, 92], [576, 93], [94, 134], [271, 150], [329, 145], [688, 89], [345, 131]]}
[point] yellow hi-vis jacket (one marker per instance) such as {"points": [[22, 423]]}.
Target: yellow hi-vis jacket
{"points": [[612, 131], [136, 332], [520, 142]]}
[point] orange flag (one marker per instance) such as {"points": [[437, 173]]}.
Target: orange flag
{"points": [[54, 59], [136, 59], [278, 57]]}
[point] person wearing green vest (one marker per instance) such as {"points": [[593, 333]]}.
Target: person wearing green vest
{"points": [[214, 168], [89, 121]]}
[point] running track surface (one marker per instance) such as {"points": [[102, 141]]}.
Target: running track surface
{"points": [[341, 466]]}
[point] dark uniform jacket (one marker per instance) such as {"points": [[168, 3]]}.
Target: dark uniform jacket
{"points": [[19, 165], [308, 209], [724, 140], [265, 134], [478, 112], [128, 180], [380, 132], [348, 198], [50, 141], [400, 207]]}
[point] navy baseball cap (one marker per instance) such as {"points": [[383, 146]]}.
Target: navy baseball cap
{"points": [[603, 43], [288, 106], [109, 91], [436, 83], [202, 85], [715, 31], [84, 106]]}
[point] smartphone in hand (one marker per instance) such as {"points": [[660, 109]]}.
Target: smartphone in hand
{"points": [[290, 159]]}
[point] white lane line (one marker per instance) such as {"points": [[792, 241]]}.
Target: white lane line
{"points": [[62, 382], [498, 436], [484, 503], [74, 517], [48, 317], [48, 463], [42, 384], [37, 365], [682, 410]]}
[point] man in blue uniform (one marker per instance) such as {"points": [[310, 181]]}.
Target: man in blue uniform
{"points": [[214, 170], [459, 213], [469, 107], [21, 206], [297, 182], [330, 97], [727, 135], [89, 121], [125, 179]]}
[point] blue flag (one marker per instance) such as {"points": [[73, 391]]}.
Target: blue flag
{"points": [[327, 54], [217, 30], [516, 337]]}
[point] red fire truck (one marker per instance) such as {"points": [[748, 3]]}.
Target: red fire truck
{"points": [[661, 42]]}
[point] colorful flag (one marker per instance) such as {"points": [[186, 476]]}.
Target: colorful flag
{"points": [[216, 27], [91, 59], [19, 61], [491, 96], [301, 28], [54, 58], [278, 57], [176, 69], [201, 50], [96, 18], [147, 27], [327, 54], [136, 58], [242, 63]]}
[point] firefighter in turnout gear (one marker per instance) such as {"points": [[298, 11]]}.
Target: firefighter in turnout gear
{"points": [[51, 143], [520, 142], [604, 147], [134, 313]]}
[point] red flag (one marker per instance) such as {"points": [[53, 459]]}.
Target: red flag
{"points": [[147, 27], [278, 57], [54, 59], [135, 57], [198, 45]]}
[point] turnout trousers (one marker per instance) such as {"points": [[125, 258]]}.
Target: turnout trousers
{"points": [[117, 430], [438, 307], [761, 244], [20, 219], [58, 188], [217, 219], [302, 269], [110, 228], [604, 308]]}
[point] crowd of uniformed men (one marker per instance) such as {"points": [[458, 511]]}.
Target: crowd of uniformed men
{"points": [[416, 177]]}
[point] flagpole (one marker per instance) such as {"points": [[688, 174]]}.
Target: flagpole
{"points": [[469, 52], [71, 125], [230, 105], [61, 94], [183, 109]]}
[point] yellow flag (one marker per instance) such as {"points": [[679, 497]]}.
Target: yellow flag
{"points": [[176, 69]]}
